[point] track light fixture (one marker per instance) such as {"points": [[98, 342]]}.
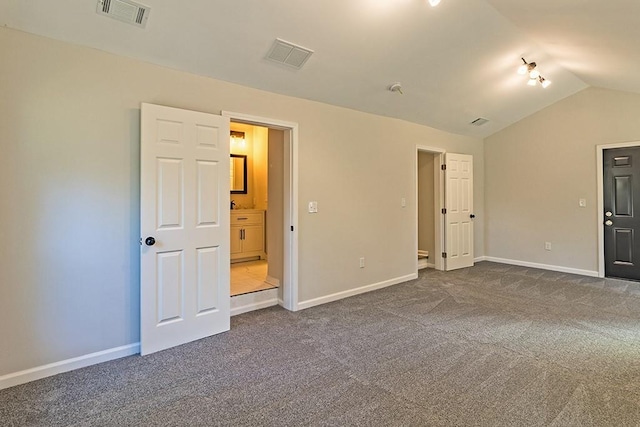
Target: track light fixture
{"points": [[534, 75]]}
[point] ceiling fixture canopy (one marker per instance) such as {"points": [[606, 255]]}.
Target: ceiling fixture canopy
{"points": [[534, 75], [434, 3], [396, 87]]}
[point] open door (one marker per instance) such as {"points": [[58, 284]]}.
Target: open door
{"points": [[184, 221], [459, 211]]}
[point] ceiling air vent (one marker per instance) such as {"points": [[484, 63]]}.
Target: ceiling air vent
{"points": [[289, 54], [125, 11], [479, 121]]}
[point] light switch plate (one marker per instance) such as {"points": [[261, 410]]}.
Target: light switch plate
{"points": [[313, 207], [403, 202]]}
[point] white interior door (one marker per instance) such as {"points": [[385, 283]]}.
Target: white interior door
{"points": [[184, 206], [459, 206]]}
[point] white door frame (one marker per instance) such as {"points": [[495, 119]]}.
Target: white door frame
{"points": [[290, 279], [438, 198], [600, 176]]}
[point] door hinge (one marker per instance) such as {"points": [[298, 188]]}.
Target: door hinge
{"points": [[443, 167], [444, 254], [292, 228], [444, 211]]}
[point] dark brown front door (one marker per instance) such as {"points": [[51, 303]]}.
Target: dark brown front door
{"points": [[622, 212]]}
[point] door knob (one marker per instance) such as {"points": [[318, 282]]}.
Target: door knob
{"points": [[608, 214], [608, 223], [472, 216], [149, 241]]}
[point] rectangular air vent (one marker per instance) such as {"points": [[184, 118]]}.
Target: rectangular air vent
{"points": [[289, 54], [125, 11], [479, 121]]}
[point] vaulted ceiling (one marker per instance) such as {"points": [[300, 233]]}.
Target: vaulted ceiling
{"points": [[456, 61]]}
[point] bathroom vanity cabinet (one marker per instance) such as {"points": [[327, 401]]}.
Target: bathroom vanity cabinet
{"points": [[247, 234]]}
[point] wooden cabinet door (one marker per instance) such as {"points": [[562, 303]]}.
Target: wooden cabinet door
{"points": [[253, 238], [236, 240]]}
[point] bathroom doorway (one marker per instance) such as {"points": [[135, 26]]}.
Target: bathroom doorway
{"points": [[263, 215], [430, 200], [249, 176]]}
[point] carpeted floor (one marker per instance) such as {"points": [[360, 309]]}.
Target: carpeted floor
{"points": [[493, 345]]}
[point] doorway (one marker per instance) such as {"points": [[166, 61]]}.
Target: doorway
{"points": [[271, 264], [430, 200], [620, 204], [252, 153]]}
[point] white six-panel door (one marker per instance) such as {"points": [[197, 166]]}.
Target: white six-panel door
{"points": [[185, 209], [459, 216]]}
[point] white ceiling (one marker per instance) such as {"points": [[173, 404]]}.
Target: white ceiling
{"points": [[456, 62]]}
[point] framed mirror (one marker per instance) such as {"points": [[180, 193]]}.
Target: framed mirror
{"points": [[238, 174]]}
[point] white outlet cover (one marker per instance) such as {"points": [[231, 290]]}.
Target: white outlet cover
{"points": [[313, 207]]}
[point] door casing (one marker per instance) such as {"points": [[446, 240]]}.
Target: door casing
{"points": [[290, 279]]}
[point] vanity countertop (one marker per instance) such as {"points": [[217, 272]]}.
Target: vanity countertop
{"points": [[247, 210]]}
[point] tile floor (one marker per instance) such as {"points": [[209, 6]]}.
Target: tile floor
{"points": [[249, 277]]}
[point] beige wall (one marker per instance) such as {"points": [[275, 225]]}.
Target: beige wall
{"points": [[426, 218], [244, 201], [539, 168], [69, 185], [260, 167], [255, 148]]}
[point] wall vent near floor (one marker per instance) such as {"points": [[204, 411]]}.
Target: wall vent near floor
{"points": [[288, 53], [479, 121], [125, 11]]}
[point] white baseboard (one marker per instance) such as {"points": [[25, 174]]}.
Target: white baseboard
{"points": [[40, 372], [558, 268], [253, 301], [351, 292], [423, 263], [480, 258]]}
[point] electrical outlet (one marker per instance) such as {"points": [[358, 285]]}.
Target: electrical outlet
{"points": [[582, 203], [547, 246], [362, 262]]}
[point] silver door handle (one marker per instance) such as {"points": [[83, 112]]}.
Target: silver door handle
{"points": [[608, 223]]}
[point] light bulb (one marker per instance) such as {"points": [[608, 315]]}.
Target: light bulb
{"points": [[238, 141], [531, 82], [534, 74], [434, 3], [523, 69], [544, 82]]}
